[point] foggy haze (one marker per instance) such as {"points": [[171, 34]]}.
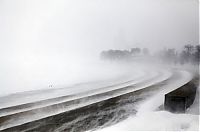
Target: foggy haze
{"points": [[65, 27], [43, 38], [81, 65]]}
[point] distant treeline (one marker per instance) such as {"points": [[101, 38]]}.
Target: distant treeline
{"points": [[123, 54], [188, 54]]}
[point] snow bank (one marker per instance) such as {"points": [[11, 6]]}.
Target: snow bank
{"points": [[148, 119], [157, 121]]}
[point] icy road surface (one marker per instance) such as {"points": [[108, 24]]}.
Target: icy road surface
{"points": [[32, 110]]}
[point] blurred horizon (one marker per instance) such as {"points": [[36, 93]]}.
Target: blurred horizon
{"points": [[43, 38]]}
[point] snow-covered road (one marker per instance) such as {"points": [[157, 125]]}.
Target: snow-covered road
{"points": [[26, 107], [148, 118]]}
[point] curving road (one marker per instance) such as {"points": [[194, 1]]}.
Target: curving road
{"points": [[79, 111]]}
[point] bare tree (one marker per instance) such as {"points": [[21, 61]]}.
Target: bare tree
{"points": [[135, 51], [197, 54], [189, 49]]}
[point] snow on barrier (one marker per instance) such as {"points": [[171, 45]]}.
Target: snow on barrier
{"points": [[180, 99]]}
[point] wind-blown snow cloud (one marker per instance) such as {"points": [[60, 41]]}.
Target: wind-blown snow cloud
{"points": [[44, 37]]}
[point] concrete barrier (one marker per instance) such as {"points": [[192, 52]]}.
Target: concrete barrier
{"points": [[180, 99]]}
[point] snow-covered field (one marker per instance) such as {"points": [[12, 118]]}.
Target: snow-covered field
{"points": [[104, 83], [140, 78], [73, 74], [93, 78], [149, 118]]}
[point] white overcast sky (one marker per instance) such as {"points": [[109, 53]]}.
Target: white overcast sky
{"points": [[46, 42], [56, 28]]}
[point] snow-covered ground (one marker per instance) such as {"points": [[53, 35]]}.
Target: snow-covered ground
{"points": [[95, 78], [153, 76], [149, 119], [100, 81], [108, 76], [55, 76]]}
